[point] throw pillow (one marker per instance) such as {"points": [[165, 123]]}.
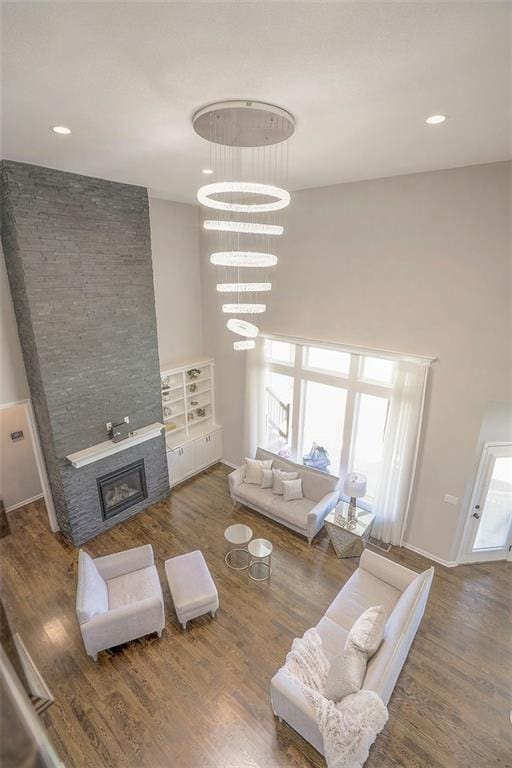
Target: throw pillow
{"points": [[368, 631], [346, 674], [92, 597], [254, 470], [277, 480], [266, 480], [292, 489]]}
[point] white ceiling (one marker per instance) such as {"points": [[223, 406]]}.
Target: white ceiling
{"points": [[360, 79]]}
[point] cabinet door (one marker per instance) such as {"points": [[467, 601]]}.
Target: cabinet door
{"points": [[211, 451], [174, 465], [188, 459]]}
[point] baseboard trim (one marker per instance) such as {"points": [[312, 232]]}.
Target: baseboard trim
{"points": [[229, 464], [430, 556], [13, 507]]}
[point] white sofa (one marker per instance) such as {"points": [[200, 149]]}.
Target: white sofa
{"points": [[119, 598], [377, 581], [306, 515]]}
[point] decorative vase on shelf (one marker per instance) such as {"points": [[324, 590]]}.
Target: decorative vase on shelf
{"points": [[194, 373]]}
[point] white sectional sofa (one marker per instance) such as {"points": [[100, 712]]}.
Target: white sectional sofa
{"points": [[377, 581], [306, 515]]}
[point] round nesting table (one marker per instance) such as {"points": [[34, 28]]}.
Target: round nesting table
{"points": [[238, 536], [260, 552]]}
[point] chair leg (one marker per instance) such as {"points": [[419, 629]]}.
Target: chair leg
{"points": [[212, 613], [184, 625], [159, 633], [95, 657]]}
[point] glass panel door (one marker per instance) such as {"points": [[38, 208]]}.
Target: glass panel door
{"points": [[490, 526]]}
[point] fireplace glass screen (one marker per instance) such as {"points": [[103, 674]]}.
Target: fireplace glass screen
{"points": [[122, 489]]}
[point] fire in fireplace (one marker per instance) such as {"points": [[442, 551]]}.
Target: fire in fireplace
{"points": [[122, 489]]}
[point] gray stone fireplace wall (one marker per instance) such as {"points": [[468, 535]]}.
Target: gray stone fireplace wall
{"points": [[78, 255]]}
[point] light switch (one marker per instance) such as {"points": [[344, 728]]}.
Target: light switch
{"points": [[451, 499]]}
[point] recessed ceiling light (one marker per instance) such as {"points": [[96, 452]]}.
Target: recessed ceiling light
{"points": [[435, 119], [60, 129], [207, 171]]}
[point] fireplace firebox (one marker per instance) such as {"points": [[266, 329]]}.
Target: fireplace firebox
{"points": [[122, 489]]}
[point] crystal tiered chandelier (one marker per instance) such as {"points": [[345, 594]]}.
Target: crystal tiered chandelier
{"points": [[249, 157]]}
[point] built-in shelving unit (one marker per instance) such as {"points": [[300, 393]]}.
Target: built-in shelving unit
{"points": [[192, 436]]}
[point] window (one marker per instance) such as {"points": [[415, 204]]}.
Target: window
{"points": [[330, 360], [329, 410], [278, 412], [280, 351], [322, 431], [378, 369], [369, 429]]}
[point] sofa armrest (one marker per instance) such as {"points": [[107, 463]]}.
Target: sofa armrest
{"points": [[317, 515], [120, 625], [290, 704], [396, 575], [120, 563], [236, 478]]}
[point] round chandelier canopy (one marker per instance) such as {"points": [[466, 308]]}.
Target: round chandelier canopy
{"points": [[243, 123], [281, 196], [243, 287], [243, 259], [242, 327], [245, 227]]}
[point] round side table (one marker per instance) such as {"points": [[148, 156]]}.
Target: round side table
{"points": [[237, 556], [260, 551]]}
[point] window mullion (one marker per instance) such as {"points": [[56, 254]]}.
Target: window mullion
{"points": [[297, 406], [348, 432]]}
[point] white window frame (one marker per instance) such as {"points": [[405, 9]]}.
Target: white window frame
{"points": [[352, 383]]}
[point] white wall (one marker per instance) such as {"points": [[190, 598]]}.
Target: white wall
{"points": [[417, 264], [19, 478], [177, 279], [13, 381]]}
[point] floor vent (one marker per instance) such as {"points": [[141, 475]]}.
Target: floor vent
{"points": [[380, 544]]}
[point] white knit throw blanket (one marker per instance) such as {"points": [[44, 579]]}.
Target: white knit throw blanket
{"points": [[348, 727]]}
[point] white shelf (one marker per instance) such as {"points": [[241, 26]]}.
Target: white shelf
{"points": [[173, 431], [107, 448], [175, 416], [198, 421], [198, 394]]}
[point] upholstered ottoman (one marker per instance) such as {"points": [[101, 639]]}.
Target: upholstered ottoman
{"points": [[192, 588]]}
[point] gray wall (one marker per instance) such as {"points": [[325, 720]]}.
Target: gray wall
{"points": [[78, 256], [417, 264]]}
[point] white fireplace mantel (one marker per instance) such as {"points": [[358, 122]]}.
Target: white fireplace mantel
{"points": [[108, 448]]}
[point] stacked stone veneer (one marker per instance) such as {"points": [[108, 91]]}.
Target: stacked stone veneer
{"points": [[78, 255]]}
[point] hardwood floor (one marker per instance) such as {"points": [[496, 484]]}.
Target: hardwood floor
{"points": [[200, 699]]}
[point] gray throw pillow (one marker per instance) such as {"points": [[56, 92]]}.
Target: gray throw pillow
{"points": [[292, 489]]}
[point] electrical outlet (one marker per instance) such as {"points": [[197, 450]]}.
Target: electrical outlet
{"points": [[451, 499], [18, 435]]}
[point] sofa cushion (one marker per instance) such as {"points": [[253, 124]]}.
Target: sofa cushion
{"points": [[133, 587], [254, 494], [266, 478], [367, 632], [92, 594], [254, 470], [292, 489], [361, 591], [293, 512], [346, 673], [277, 480], [332, 635]]}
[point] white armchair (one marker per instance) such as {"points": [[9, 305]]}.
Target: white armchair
{"points": [[119, 598]]}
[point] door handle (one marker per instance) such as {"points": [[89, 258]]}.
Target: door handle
{"points": [[476, 515]]}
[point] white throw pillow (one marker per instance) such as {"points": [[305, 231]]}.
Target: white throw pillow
{"points": [[254, 470], [292, 489], [368, 631], [92, 597], [346, 674], [277, 480], [266, 479]]}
